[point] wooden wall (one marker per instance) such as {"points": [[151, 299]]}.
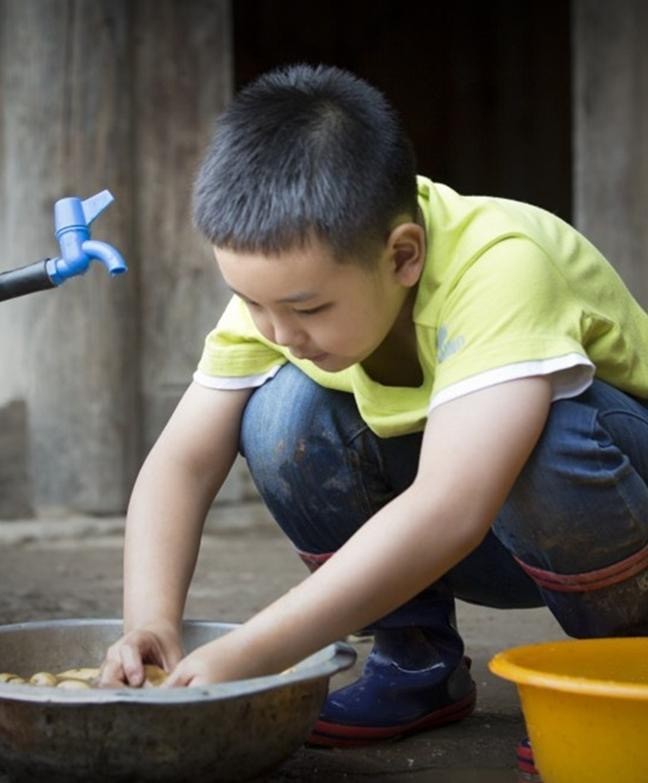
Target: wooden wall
{"points": [[116, 94], [121, 94], [611, 133]]}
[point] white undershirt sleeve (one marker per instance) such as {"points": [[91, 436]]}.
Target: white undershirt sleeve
{"points": [[234, 382], [570, 375]]}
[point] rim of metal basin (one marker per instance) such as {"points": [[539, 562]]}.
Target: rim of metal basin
{"points": [[324, 663]]}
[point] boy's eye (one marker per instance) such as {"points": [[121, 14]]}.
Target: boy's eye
{"points": [[312, 310]]}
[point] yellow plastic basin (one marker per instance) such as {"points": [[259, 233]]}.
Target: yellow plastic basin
{"points": [[586, 707]]}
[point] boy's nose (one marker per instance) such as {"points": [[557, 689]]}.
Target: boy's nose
{"points": [[289, 334]]}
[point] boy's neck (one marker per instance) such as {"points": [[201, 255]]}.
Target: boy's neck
{"points": [[395, 362]]}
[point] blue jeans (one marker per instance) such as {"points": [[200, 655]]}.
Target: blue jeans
{"points": [[572, 534]]}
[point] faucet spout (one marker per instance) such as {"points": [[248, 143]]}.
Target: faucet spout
{"points": [[107, 255], [71, 223]]}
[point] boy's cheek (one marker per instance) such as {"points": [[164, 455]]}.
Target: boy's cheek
{"points": [[263, 325]]}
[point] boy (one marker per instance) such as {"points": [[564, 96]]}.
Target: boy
{"points": [[437, 396]]}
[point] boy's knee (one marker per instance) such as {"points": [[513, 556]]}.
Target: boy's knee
{"points": [[565, 449], [576, 505], [280, 412], [547, 486], [297, 439], [293, 423], [578, 448]]}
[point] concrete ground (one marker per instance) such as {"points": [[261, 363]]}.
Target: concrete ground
{"points": [[66, 568]]}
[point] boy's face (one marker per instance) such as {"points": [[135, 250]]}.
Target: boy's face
{"points": [[330, 313]]}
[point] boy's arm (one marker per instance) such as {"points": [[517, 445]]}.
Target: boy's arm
{"points": [[473, 450], [170, 499]]}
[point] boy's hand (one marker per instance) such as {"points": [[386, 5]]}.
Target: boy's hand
{"points": [[198, 668], [217, 661], [124, 663]]}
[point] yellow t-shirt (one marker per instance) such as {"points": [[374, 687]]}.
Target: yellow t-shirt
{"points": [[508, 291]]}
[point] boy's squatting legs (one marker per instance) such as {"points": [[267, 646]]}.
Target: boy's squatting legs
{"points": [[576, 519], [322, 473]]}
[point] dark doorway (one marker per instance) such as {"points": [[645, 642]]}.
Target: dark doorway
{"points": [[484, 88]]}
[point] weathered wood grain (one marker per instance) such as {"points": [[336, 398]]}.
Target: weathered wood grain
{"points": [[611, 133], [15, 484], [71, 353], [183, 60], [119, 95]]}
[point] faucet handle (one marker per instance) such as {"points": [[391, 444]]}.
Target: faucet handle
{"points": [[72, 214], [95, 205]]}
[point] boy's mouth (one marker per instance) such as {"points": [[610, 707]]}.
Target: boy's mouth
{"points": [[313, 358]]}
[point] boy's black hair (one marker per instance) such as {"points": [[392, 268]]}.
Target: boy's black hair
{"points": [[305, 151]]}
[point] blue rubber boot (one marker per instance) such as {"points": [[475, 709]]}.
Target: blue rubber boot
{"points": [[415, 678]]}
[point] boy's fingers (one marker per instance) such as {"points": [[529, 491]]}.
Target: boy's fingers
{"points": [[111, 675], [178, 679], [172, 660], [131, 662], [172, 681]]}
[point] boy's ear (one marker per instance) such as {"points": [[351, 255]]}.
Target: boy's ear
{"points": [[406, 247]]}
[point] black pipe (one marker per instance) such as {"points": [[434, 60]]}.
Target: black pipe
{"points": [[25, 280]]}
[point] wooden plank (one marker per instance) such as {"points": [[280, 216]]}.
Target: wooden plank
{"points": [[182, 58], [611, 133], [183, 65], [70, 353], [15, 483]]}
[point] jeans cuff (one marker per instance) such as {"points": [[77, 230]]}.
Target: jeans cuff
{"points": [[589, 580], [314, 560]]}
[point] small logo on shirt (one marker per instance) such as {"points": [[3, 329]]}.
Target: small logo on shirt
{"points": [[446, 347]]}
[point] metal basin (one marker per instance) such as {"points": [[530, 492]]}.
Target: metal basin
{"points": [[229, 732]]}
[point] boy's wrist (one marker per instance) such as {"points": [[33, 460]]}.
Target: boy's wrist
{"points": [[159, 625], [236, 656]]}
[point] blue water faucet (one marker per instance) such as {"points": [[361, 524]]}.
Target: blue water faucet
{"points": [[72, 218]]}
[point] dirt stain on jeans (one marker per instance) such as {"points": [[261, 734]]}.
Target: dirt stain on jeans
{"points": [[300, 451]]}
